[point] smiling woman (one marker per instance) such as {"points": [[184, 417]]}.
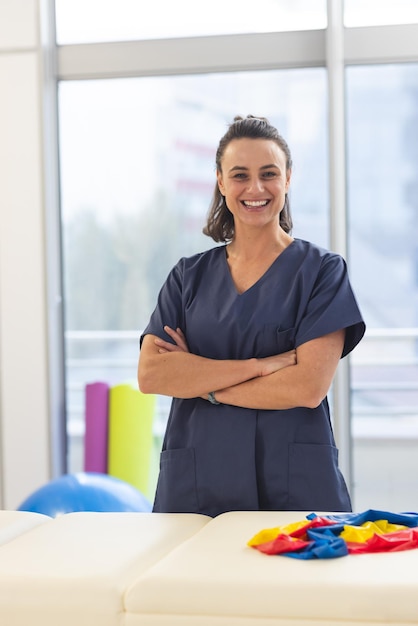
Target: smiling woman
{"points": [[246, 338]]}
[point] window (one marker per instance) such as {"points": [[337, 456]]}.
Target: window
{"points": [[90, 21], [137, 172], [383, 236], [380, 12], [137, 176]]}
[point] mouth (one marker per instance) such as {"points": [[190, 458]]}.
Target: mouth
{"points": [[255, 204]]}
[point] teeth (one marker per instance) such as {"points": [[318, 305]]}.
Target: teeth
{"points": [[255, 203]]}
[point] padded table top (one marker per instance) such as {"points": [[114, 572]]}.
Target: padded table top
{"points": [[15, 523], [74, 569], [216, 574]]}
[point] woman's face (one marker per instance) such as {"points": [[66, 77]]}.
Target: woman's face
{"points": [[254, 181]]}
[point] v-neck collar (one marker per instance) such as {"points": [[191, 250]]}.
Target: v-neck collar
{"points": [[261, 279]]}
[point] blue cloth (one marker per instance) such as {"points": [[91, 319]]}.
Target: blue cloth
{"points": [[223, 458], [326, 543], [370, 515]]}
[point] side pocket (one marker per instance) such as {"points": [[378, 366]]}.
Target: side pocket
{"points": [[315, 482], [176, 487]]}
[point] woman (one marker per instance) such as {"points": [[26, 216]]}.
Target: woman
{"points": [[246, 338]]}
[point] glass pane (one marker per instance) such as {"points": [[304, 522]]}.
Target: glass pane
{"points": [[380, 12], [88, 21], [137, 175], [383, 236]]}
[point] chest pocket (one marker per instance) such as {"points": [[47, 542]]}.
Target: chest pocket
{"points": [[276, 341]]}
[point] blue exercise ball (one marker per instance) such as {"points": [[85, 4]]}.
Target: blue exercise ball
{"points": [[85, 491]]}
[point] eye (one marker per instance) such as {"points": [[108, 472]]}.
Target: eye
{"points": [[240, 175], [270, 174]]}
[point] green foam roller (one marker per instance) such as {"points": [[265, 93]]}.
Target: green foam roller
{"points": [[130, 443]]}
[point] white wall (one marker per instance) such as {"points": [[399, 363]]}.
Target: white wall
{"points": [[24, 393]]}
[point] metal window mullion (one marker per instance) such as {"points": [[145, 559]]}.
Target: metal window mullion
{"points": [[56, 351], [223, 53], [381, 44], [338, 212]]}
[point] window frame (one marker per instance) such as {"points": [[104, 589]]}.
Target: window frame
{"points": [[333, 48]]}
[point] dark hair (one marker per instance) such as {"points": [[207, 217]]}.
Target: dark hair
{"points": [[220, 221]]}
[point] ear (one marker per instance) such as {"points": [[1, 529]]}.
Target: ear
{"points": [[220, 182], [288, 177]]}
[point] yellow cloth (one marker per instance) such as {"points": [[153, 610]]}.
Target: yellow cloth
{"points": [[269, 534], [360, 534]]}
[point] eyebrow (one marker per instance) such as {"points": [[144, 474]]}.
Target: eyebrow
{"points": [[263, 167]]}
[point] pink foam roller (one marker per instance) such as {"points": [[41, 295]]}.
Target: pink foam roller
{"points": [[96, 423]]}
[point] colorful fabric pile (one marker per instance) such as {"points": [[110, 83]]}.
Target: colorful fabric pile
{"points": [[332, 536]]}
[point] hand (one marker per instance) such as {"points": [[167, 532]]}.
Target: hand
{"points": [[272, 364], [177, 336]]}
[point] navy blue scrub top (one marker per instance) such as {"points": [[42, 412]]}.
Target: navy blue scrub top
{"points": [[219, 458]]}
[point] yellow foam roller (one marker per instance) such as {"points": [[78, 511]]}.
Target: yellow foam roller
{"points": [[130, 440]]}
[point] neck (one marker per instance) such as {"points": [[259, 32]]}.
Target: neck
{"points": [[259, 245]]}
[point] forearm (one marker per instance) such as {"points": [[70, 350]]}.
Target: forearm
{"points": [[170, 369], [304, 384], [186, 375], [284, 389]]}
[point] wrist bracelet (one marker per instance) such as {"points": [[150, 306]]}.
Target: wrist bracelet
{"points": [[211, 398]]}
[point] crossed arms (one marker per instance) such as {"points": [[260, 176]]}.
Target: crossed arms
{"points": [[300, 377]]}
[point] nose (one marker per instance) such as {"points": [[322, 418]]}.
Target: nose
{"points": [[255, 185]]}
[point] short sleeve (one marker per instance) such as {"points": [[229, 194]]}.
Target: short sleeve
{"points": [[332, 306], [169, 310]]}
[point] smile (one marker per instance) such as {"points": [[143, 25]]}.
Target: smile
{"points": [[255, 203]]}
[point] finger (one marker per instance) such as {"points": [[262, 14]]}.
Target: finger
{"points": [[167, 346], [172, 333], [170, 348], [178, 337]]}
